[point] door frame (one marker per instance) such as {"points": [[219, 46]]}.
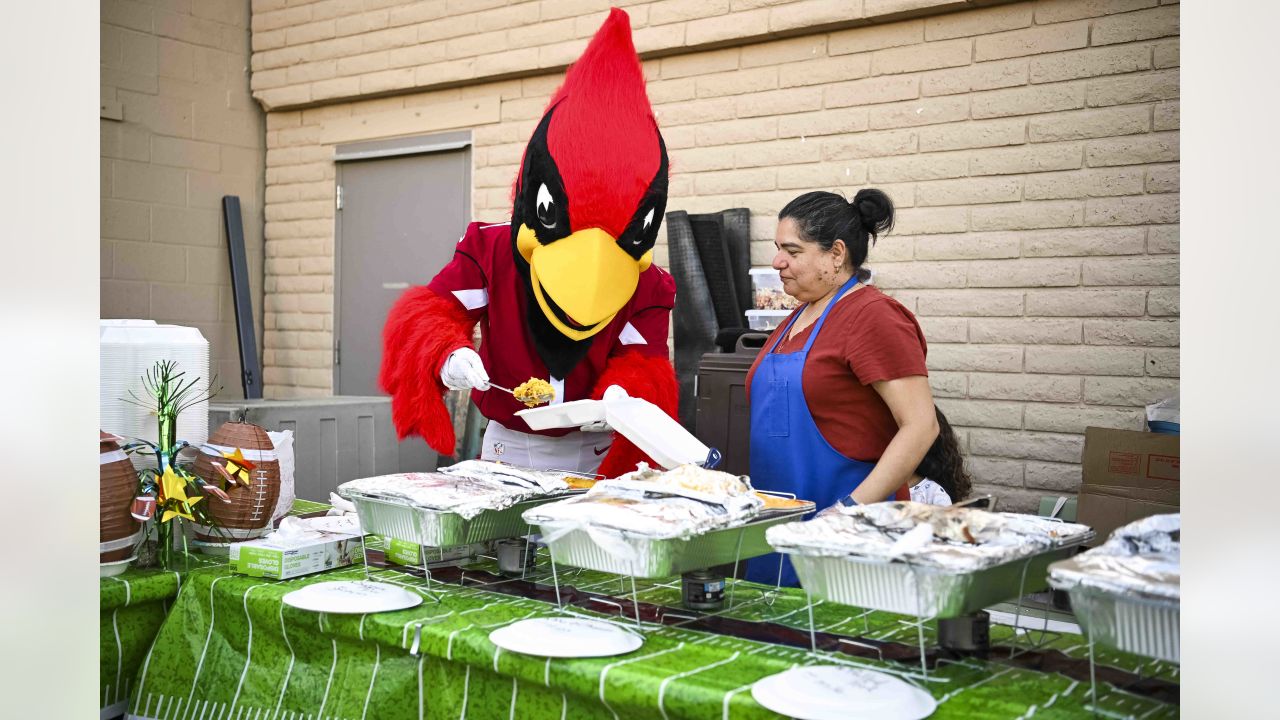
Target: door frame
{"points": [[373, 150]]}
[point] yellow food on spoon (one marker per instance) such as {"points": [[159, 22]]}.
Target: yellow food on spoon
{"points": [[534, 392]]}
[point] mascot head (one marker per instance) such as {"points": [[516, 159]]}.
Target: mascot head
{"points": [[589, 199]]}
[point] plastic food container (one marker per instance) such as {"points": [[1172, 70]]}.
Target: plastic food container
{"points": [[641, 422], [767, 292], [766, 319]]}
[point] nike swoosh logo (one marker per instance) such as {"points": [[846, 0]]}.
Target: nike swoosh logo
{"points": [[601, 451]]}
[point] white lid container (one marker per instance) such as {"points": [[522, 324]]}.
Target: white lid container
{"points": [[766, 319], [640, 421]]}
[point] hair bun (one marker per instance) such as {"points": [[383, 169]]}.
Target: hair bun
{"points": [[875, 211]]}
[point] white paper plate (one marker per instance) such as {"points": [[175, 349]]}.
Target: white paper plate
{"points": [[571, 414], [563, 637], [112, 569], [833, 692], [352, 597]]}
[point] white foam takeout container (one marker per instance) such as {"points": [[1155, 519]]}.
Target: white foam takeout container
{"points": [[640, 421]]}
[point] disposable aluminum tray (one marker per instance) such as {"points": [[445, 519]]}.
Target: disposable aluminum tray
{"points": [[441, 528], [923, 591], [664, 557], [1137, 624]]}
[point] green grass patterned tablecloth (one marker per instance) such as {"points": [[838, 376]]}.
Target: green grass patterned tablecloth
{"points": [[231, 649], [131, 608]]}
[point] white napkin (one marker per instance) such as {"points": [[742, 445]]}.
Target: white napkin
{"points": [[340, 506]]}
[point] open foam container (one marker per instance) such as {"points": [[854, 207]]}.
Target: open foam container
{"points": [[640, 421]]}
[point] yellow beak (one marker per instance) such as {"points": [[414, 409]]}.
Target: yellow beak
{"points": [[585, 274]]}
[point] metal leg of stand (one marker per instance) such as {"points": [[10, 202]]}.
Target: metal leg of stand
{"points": [[737, 558], [813, 633], [1093, 679], [920, 620], [426, 571], [364, 556], [555, 579], [524, 563], [635, 600], [1017, 615]]}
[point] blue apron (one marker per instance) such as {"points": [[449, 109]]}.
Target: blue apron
{"points": [[788, 453]]}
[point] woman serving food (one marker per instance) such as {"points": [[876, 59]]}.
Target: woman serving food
{"points": [[841, 409]]}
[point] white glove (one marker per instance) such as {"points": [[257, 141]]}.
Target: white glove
{"points": [[463, 370], [613, 392]]}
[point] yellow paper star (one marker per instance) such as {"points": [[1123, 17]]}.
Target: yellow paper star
{"points": [[176, 502], [238, 467]]}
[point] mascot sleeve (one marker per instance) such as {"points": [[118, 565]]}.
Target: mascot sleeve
{"points": [[640, 363], [424, 326]]}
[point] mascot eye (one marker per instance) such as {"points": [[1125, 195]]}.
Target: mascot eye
{"points": [[546, 207], [648, 220]]}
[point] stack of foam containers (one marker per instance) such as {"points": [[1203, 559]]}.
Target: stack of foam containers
{"points": [[127, 350]]}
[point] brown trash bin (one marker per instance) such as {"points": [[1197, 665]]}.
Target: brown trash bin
{"points": [[723, 419]]}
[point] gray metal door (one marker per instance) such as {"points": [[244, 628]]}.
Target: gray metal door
{"points": [[402, 205]]}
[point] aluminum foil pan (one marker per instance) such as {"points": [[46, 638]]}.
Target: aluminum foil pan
{"points": [[1140, 625], [468, 488], [952, 539], [622, 553], [439, 528], [921, 590], [1127, 593], [1142, 558]]}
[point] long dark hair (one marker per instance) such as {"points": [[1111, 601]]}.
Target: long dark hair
{"points": [[944, 464], [824, 217]]}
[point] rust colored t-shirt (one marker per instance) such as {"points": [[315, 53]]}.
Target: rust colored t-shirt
{"points": [[868, 337]]}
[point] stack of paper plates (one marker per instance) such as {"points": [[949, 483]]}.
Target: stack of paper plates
{"points": [[127, 350]]}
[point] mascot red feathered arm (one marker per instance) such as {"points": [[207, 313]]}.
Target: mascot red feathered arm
{"points": [[566, 291]]}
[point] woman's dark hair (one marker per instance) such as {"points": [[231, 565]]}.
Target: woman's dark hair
{"points": [[824, 217], [943, 463]]}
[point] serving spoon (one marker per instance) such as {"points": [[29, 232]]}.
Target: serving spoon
{"points": [[541, 398]]}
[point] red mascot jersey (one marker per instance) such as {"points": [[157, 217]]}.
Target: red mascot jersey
{"points": [[483, 259]]}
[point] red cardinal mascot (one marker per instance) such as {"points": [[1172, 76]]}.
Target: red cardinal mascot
{"points": [[566, 291]]}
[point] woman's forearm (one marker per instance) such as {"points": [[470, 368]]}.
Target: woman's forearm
{"points": [[898, 463]]}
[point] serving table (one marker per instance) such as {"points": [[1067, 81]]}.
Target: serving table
{"points": [[230, 648], [131, 608]]}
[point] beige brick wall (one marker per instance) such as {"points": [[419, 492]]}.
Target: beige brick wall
{"points": [[309, 53], [1031, 147], [179, 130]]}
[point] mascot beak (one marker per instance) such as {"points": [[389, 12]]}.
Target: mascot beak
{"points": [[582, 280]]}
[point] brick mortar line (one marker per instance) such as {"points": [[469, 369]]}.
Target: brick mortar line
{"points": [[671, 51]]}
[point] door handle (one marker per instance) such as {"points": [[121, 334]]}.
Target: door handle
{"points": [[395, 285]]}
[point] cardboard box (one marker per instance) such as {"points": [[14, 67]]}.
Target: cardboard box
{"points": [[264, 558], [1127, 475]]}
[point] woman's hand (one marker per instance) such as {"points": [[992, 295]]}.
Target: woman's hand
{"points": [[911, 401], [829, 510]]}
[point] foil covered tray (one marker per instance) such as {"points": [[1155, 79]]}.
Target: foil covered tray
{"points": [[922, 591], [923, 560], [1127, 593], [1138, 624], [441, 528], [650, 558]]}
